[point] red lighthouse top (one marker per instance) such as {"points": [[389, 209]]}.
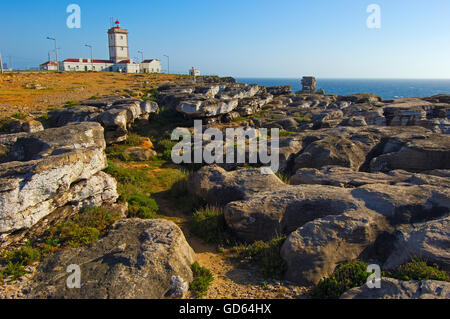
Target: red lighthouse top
{"points": [[117, 24]]}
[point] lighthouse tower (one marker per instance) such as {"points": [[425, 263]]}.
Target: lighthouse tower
{"points": [[118, 43]]}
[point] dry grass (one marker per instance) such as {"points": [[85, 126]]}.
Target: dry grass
{"points": [[18, 92]]}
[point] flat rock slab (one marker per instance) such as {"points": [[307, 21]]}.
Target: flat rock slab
{"points": [[138, 259], [396, 289]]}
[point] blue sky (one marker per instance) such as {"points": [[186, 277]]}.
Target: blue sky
{"points": [[245, 38]]}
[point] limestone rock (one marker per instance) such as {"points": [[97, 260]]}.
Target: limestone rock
{"points": [[396, 289], [136, 260], [429, 241], [314, 250]]}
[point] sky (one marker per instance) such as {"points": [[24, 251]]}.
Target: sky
{"points": [[243, 38]]}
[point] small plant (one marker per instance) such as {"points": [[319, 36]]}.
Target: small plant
{"points": [[164, 147], [94, 97], [284, 133], [83, 229], [134, 139], [142, 206], [202, 280], [16, 260], [344, 277], [209, 224], [418, 269], [265, 254], [19, 116], [71, 104], [43, 118], [284, 177]]}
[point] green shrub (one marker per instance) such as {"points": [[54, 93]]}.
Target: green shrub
{"points": [[14, 270], [19, 116], [14, 261], [344, 277], [43, 118], [285, 178], [71, 104], [141, 206], [202, 280], [83, 229], [209, 224], [25, 255], [265, 254], [134, 139], [418, 269], [164, 147]]}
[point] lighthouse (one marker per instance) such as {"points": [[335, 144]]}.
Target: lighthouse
{"points": [[118, 43]]}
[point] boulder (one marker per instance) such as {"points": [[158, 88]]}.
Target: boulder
{"points": [[429, 241], [314, 250], [138, 259], [282, 210], [346, 177], [414, 153], [218, 187], [332, 150], [396, 289], [51, 169], [61, 117]]}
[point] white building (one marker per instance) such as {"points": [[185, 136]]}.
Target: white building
{"points": [[119, 57], [194, 72], [49, 66], [151, 66]]}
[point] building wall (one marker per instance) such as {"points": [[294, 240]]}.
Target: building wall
{"points": [[152, 67], [85, 66], [48, 67], [118, 45]]}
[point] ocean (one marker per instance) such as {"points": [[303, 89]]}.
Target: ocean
{"points": [[387, 89]]}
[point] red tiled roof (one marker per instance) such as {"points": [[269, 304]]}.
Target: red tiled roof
{"points": [[149, 61], [86, 61], [49, 63]]}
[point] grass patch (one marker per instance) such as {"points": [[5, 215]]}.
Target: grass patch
{"points": [[284, 133], [285, 178], [209, 224], [19, 116], [418, 269], [203, 278], [83, 229], [43, 118], [344, 278], [71, 104], [14, 262], [141, 206], [265, 254]]}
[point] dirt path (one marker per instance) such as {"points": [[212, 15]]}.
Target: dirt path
{"points": [[231, 281]]}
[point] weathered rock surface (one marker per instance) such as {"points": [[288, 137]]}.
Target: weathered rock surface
{"points": [[429, 241], [314, 250], [115, 114], [50, 169], [138, 259], [396, 289]]}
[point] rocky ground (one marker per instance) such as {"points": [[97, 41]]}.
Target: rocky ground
{"points": [[92, 184]]}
